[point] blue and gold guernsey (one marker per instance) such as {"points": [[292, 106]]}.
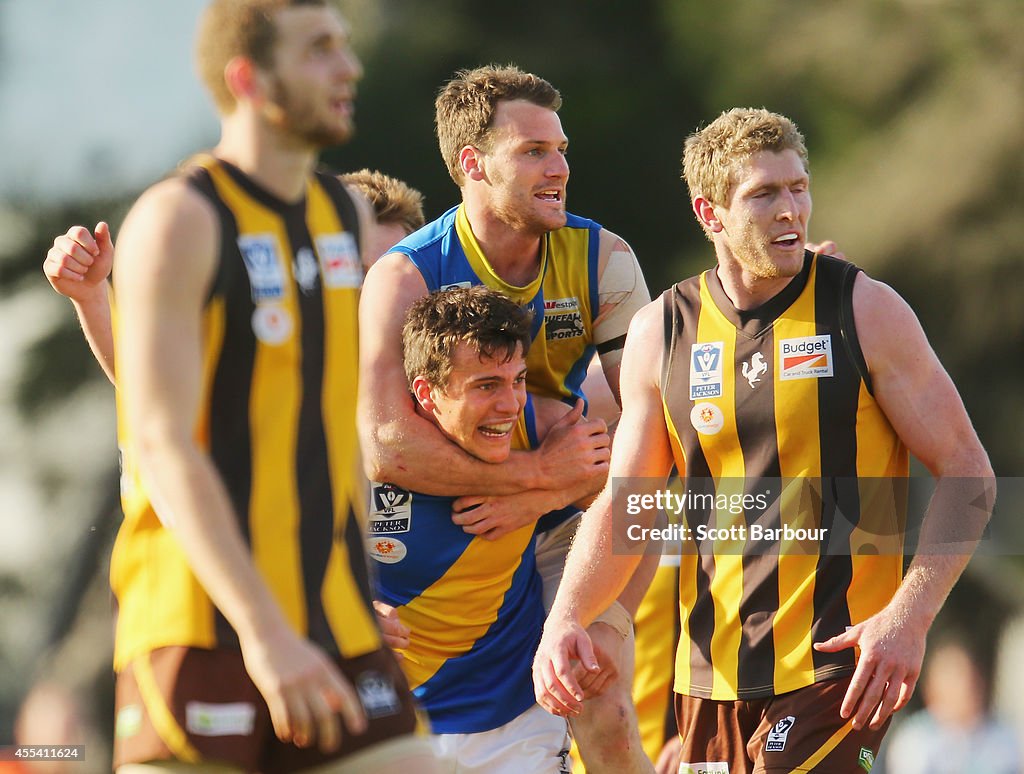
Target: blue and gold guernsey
{"points": [[563, 296], [473, 606]]}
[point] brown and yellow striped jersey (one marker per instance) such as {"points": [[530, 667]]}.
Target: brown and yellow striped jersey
{"points": [[278, 420], [771, 412]]}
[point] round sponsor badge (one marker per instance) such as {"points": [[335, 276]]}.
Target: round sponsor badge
{"points": [[271, 323], [386, 550], [706, 418]]}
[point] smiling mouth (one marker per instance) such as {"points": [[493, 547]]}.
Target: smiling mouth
{"points": [[497, 429], [550, 195], [789, 239]]}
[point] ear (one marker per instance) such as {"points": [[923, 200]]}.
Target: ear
{"points": [[706, 215], [471, 161], [421, 391], [243, 79]]}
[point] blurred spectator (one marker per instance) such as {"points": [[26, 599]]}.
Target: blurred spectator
{"points": [[52, 716], [955, 733]]}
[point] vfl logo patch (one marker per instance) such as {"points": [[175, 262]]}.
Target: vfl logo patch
{"points": [[706, 370], [808, 357], [266, 276], [339, 260], [779, 734], [378, 695], [562, 319], [454, 285], [392, 510]]}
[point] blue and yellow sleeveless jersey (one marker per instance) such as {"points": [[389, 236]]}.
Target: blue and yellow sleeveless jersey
{"points": [[473, 606], [563, 296]]}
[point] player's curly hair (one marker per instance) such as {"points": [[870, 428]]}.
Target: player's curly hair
{"points": [[492, 323]]}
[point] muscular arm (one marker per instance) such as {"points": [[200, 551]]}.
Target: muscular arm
{"points": [[622, 291], [595, 575], [925, 410], [403, 448], [166, 258]]}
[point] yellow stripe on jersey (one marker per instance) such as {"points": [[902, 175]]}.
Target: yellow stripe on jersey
{"points": [[350, 620], [273, 416], [473, 588], [796, 427], [876, 545], [482, 268], [688, 565], [725, 462]]}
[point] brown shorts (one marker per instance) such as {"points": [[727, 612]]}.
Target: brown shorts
{"points": [[194, 705], [796, 731]]}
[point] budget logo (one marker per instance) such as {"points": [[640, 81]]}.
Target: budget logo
{"points": [[339, 260], [808, 357], [706, 370]]}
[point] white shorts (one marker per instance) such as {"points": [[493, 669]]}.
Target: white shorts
{"points": [[536, 741]]}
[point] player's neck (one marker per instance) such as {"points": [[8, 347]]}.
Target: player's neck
{"points": [[745, 290], [513, 253], [279, 166]]}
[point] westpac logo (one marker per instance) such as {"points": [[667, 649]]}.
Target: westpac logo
{"points": [[706, 369], [807, 357], [563, 319]]}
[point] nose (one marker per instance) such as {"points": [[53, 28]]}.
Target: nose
{"points": [[349, 65], [559, 166], [507, 400], [787, 205]]}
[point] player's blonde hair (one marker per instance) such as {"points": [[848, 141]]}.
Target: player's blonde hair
{"points": [[713, 155], [393, 200]]}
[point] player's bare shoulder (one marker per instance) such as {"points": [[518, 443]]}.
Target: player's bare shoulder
{"points": [[885, 322], [645, 344], [172, 231]]}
